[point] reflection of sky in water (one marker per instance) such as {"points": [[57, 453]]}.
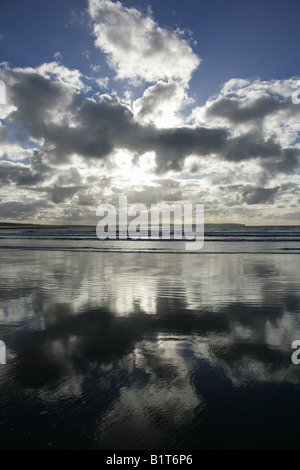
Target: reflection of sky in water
{"points": [[146, 351]]}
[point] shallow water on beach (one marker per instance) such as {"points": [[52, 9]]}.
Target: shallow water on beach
{"points": [[149, 351], [216, 239]]}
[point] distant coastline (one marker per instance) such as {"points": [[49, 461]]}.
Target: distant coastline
{"points": [[9, 225], [15, 225]]}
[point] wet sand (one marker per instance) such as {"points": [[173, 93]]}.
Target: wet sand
{"points": [[140, 351]]}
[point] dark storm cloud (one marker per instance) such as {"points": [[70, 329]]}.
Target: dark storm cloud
{"points": [[71, 124], [10, 172], [19, 174], [287, 162], [270, 155], [19, 210], [237, 112], [29, 179], [251, 145], [100, 126], [249, 194], [86, 200], [58, 194], [3, 134], [259, 195], [62, 194], [35, 98], [23, 175], [41, 103], [292, 188], [172, 146]]}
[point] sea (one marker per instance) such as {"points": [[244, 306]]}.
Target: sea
{"points": [[143, 345]]}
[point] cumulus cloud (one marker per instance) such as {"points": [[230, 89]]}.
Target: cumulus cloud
{"points": [[59, 73], [163, 190], [271, 156], [19, 174], [22, 210], [66, 146], [247, 105], [137, 47], [61, 194], [161, 103], [237, 111], [65, 121], [253, 195], [69, 123], [3, 134], [24, 175]]}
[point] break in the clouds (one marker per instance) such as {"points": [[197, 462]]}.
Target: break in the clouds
{"points": [[68, 142]]}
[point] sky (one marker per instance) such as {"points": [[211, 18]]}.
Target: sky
{"points": [[165, 102]]}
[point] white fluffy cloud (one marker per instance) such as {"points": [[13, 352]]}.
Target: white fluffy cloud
{"points": [[59, 73], [137, 47], [254, 105], [65, 145], [236, 156], [161, 104]]}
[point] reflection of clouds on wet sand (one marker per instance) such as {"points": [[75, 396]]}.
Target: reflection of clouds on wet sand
{"points": [[151, 414], [123, 282], [136, 340]]}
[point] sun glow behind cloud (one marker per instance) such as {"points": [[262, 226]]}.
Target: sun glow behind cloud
{"points": [[69, 139], [132, 173]]}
